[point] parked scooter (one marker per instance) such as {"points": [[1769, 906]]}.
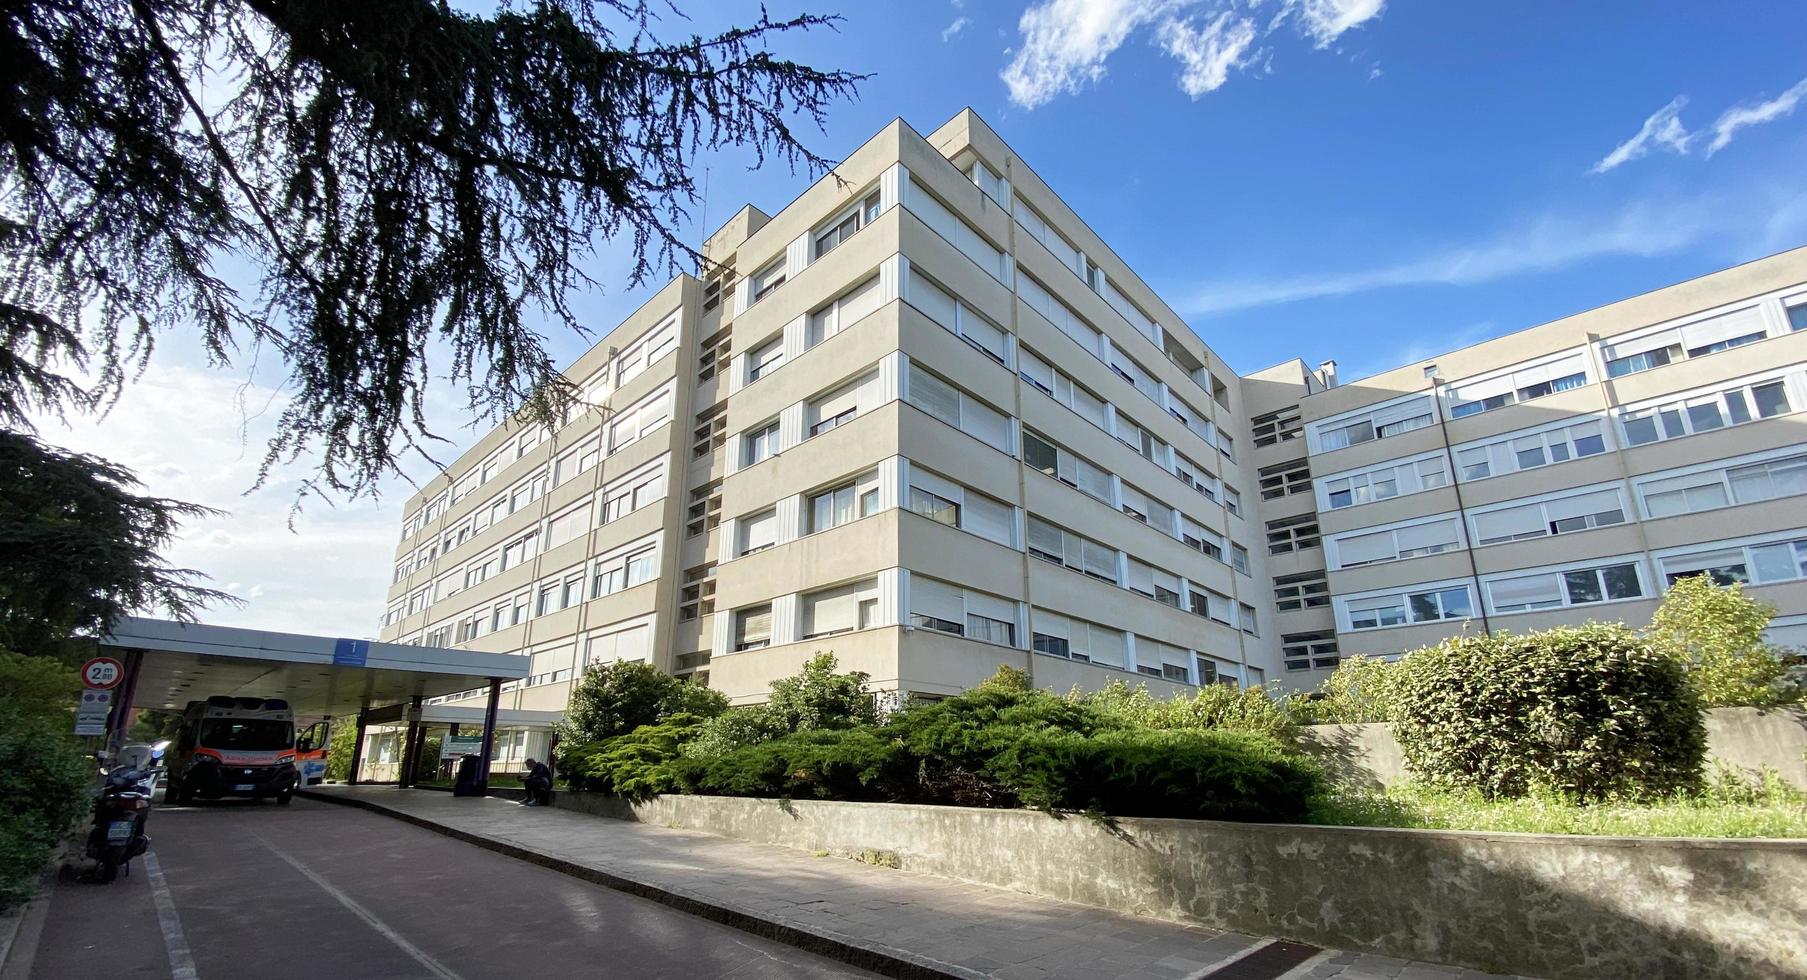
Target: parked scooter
{"points": [[121, 809]]}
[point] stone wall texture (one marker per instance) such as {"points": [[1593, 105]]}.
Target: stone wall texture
{"points": [[1747, 739], [1542, 905]]}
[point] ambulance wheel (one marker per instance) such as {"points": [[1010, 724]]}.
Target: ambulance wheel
{"points": [[283, 798]]}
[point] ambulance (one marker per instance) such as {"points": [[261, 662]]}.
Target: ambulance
{"points": [[243, 747]]}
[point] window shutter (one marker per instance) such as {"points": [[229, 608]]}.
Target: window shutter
{"points": [[1655, 341], [1105, 645], [1726, 326], [931, 597], [981, 332], [1505, 525], [1036, 369], [831, 405], [754, 625], [1141, 577], [759, 530], [1598, 502], [1529, 590], [991, 607], [987, 518], [934, 396], [834, 610], [1045, 537], [1364, 549], [932, 300], [857, 305], [1435, 536], [985, 423]]}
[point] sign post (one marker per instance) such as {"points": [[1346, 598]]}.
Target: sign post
{"points": [[91, 713]]}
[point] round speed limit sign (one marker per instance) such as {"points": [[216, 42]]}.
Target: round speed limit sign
{"points": [[102, 672]]}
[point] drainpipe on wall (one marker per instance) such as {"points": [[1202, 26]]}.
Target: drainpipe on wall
{"points": [[1455, 482]]}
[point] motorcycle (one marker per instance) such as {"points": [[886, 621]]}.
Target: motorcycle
{"points": [[121, 809]]}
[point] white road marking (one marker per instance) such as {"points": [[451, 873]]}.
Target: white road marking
{"points": [[181, 959], [421, 956]]}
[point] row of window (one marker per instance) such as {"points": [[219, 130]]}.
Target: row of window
{"points": [[633, 358]]}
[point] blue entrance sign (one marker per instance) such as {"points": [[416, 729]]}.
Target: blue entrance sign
{"points": [[351, 653]]}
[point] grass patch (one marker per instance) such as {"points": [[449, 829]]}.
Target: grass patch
{"points": [[1728, 808]]}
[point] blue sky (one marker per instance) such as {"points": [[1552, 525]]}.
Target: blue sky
{"points": [[1370, 180]]}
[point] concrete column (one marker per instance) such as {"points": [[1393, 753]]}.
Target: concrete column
{"points": [[357, 752], [489, 734]]}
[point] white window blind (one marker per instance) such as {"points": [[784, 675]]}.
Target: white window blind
{"points": [[1724, 327], [759, 531], [987, 518], [1526, 592], [936, 599], [1685, 494], [987, 337], [567, 526], [934, 396], [1427, 539], [835, 610], [985, 423], [1510, 524], [932, 300], [633, 643], [753, 627], [1364, 549], [1584, 505]]}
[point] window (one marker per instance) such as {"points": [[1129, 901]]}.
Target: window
{"points": [[1290, 534], [1797, 316], [1232, 500], [1562, 515], [765, 359], [957, 232], [1686, 494], [635, 422], [1195, 476], [758, 531], [1239, 558], [1530, 450], [1200, 538], [845, 224], [767, 279], [1761, 563], [941, 306], [1379, 423], [1141, 440], [1076, 639], [1082, 554], [1147, 509], [842, 405], [1309, 651], [1039, 229], [1305, 590], [1705, 412], [1041, 454], [1396, 544], [1210, 604], [1708, 336], [1385, 482], [717, 348], [711, 432], [1282, 479], [844, 504], [705, 510], [759, 444], [1768, 480], [520, 550], [842, 609], [697, 598], [1573, 587], [753, 628], [959, 409], [1246, 619], [1061, 388], [1277, 426], [942, 500], [1163, 660], [852, 307], [1525, 384], [1399, 609], [566, 526], [1038, 298], [623, 569], [949, 608]]}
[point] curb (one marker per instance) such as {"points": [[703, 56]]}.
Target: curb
{"points": [[876, 957]]}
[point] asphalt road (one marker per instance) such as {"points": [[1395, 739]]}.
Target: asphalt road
{"points": [[319, 891]]}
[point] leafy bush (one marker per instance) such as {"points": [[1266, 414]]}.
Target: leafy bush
{"points": [[638, 765], [1360, 691], [1002, 745], [1717, 633], [616, 698], [1220, 707], [44, 774], [1586, 712], [817, 698]]}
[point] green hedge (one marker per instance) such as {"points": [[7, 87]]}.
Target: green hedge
{"points": [[1589, 713]]}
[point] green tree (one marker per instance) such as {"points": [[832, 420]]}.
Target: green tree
{"points": [[816, 698], [615, 698], [1717, 633], [400, 178], [78, 547], [1360, 690]]}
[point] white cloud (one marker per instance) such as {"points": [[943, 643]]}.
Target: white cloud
{"points": [[1738, 117], [1065, 43], [953, 30], [1326, 20], [1208, 54], [1663, 128], [1548, 243]]}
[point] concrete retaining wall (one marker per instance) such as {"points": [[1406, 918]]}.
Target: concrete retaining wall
{"points": [[1748, 739], [1544, 905]]}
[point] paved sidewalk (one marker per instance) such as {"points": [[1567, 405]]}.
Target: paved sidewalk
{"points": [[899, 923]]}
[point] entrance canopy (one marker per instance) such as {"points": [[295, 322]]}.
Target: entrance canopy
{"points": [[317, 675], [445, 714]]}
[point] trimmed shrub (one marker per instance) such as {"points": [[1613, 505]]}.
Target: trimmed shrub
{"points": [[1589, 713], [44, 774], [840, 764], [817, 698], [1216, 707]]}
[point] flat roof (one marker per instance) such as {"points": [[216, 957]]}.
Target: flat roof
{"points": [[317, 675]]}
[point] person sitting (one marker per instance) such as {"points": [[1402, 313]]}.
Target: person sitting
{"points": [[538, 782]]}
